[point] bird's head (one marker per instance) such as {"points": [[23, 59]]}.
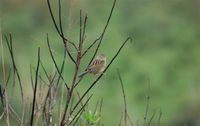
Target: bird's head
{"points": [[102, 56]]}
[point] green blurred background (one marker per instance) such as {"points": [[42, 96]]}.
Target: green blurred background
{"points": [[166, 50]]}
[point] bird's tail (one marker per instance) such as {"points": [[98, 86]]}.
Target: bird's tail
{"points": [[82, 74]]}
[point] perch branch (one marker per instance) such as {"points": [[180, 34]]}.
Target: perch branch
{"points": [[94, 83]]}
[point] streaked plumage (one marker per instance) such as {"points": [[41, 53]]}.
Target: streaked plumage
{"points": [[97, 66]]}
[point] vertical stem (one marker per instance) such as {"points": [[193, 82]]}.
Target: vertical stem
{"points": [[159, 118], [35, 88], [2, 56], [7, 109], [124, 97], [61, 102], [78, 59]]}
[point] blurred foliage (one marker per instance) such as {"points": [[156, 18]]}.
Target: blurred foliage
{"points": [[90, 119], [166, 50]]}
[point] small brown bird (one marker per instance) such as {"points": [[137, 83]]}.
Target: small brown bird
{"points": [[97, 66]]}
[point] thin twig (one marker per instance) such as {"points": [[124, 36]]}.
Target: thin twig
{"points": [[77, 119], [102, 34], [1, 116], [9, 44], [80, 29], [14, 115], [2, 95], [2, 56], [71, 112], [23, 114], [84, 29], [124, 97], [100, 109], [55, 24], [35, 88], [159, 118], [9, 74], [7, 109], [91, 46], [147, 104], [80, 102], [96, 106], [130, 120], [78, 82], [150, 120], [49, 77], [65, 41], [62, 68], [31, 76], [121, 117], [60, 106], [50, 97], [45, 72], [81, 109], [72, 102], [60, 32], [54, 61], [146, 111]]}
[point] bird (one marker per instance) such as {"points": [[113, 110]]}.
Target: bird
{"points": [[97, 66]]}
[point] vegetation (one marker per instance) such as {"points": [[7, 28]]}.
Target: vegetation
{"points": [[164, 54]]}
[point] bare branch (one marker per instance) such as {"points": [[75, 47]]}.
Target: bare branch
{"points": [[130, 121], [65, 41], [61, 70], [95, 109], [81, 109], [159, 118], [60, 32], [56, 26], [31, 76], [84, 30], [91, 46], [77, 119], [10, 48], [80, 30], [7, 109], [9, 73], [147, 105], [121, 117], [54, 61], [35, 88], [14, 115], [2, 91], [102, 34], [150, 120], [124, 97], [100, 108]]}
